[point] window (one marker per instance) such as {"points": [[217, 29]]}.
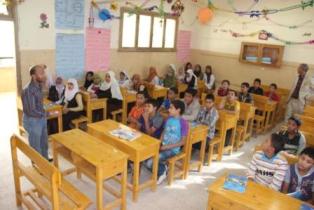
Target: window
{"points": [[6, 11], [7, 43], [147, 31]]}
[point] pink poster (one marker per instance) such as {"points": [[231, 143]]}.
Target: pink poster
{"points": [[97, 46], [184, 46]]}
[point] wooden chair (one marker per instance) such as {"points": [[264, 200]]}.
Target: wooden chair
{"points": [[260, 102], [46, 179], [181, 87], [198, 134], [82, 119], [178, 165], [290, 159], [244, 129], [200, 87], [309, 111], [215, 142]]}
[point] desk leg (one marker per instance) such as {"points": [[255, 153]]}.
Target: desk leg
{"points": [[155, 171], [124, 112], [55, 154], [99, 188], [267, 121], [202, 154], [232, 139], [60, 123], [123, 186], [136, 178], [186, 166]]}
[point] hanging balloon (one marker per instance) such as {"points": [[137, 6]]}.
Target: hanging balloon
{"points": [[205, 15], [104, 15]]}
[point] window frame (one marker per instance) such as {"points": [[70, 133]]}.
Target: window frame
{"points": [[150, 48]]}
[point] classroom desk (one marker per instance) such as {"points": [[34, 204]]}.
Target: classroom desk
{"points": [[94, 158], [91, 104], [158, 92], [128, 97], [181, 87], [256, 197], [140, 149], [270, 110]]}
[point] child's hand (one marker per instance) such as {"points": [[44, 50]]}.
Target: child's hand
{"points": [[65, 110]]}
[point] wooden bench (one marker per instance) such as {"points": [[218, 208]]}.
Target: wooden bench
{"points": [[307, 129], [46, 179], [181, 87], [178, 165], [309, 111], [200, 87], [91, 104], [128, 97], [82, 119], [155, 91]]}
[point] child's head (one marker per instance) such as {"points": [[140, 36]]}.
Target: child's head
{"points": [[232, 95], [302, 69], [59, 81], [188, 66], [177, 108], [209, 101], [306, 159], [245, 87], [272, 87], [140, 98], [107, 78], [136, 79], [273, 145], [208, 69], [151, 106], [225, 84], [257, 83], [172, 93], [294, 124], [122, 75], [189, 95], [171, 72], [97, 79], [89, 76], [198, 68]]}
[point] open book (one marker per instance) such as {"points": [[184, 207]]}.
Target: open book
{"points": [[235, 183], [126, 133]]}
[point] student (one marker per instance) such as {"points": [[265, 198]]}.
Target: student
{"points": [[170, 78], [56, 91], [299, 177], [209, 79], [88, 79], [198, 72], [123, 79], [294, 140], [244, 95], [172, 139], [271, 94], [187, 66], [180, 75], [94, 88], [208, 115], [192, 105], [153, 76], [171, 96], [231, 106], [256, 88], [190, 79], [73, 106], [268, 167], [136, 83], [151, 122], [224, 88], [137, 110]]}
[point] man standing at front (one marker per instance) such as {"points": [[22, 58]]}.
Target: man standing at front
{"points": [[34, 117], [299, 92]]}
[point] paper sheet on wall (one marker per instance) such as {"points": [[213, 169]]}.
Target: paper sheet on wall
{"points": [[97, 45], [70, 55], [69, 14], [184, 46]]}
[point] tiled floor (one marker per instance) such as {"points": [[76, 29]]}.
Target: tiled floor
{"points": [[189, 194]]}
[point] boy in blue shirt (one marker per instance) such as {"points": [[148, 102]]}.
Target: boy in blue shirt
{"points": [[171, 96], [172, 139]]}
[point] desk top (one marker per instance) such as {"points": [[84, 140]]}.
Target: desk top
{"points": [[256, 196], [88, 147], [141, 143]]}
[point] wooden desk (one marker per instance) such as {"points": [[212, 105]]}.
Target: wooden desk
{"points": [[157, 92], [128, 97], [97, 160], [181, 87], [91, 104], [140, 149], [270, 110], [256, 197]]}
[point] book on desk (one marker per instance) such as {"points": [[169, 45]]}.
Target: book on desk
{"points": [[235, 183], [125, 133]]}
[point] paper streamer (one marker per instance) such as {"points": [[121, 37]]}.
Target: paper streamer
{"points": [[70, 55], [97, 49], [184, 46], [69, 14]]}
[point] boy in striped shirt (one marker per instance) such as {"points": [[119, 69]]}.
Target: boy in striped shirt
{"points": [[268, 167]]}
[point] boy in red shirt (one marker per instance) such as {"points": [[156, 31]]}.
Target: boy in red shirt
{"points": [[271, 93]]}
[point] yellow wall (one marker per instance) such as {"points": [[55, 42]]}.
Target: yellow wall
{"points": [[8, 79]]}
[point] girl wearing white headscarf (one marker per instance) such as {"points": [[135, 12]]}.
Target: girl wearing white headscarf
{"points": [[124, 79], [73, 106], [170, 78], [191, 79], [110, 89]]}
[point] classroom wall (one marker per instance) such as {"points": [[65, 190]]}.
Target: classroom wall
{"points": [[8, 78], [38, 45], [221, 50]]}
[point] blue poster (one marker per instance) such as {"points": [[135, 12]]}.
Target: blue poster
{"points": [[69, 14], [70, 55]]}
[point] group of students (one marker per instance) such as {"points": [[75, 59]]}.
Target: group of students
{"points": [[171, 120]]}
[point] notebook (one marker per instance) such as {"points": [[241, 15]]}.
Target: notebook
{"points": [[125, 133], [235, 183]]}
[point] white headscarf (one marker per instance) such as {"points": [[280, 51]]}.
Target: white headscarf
{"points": [[190, 75], [126, 78], [174, 68], [113, 85], [69, 94]]}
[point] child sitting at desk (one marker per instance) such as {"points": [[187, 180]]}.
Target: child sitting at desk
{"points": [[271, 94], [136, 84], [268, 167], [209, 79], [190, 79], [151, 122], [170, 79], [137, 110], [244, 95], [294, 140], [181, 75], [198, 72], [89, 77], [299, 177], [173, 137], [171, 96], [224, 88], [231, 106], [94, 88], [73, 106], [123, 79], [153, 78], [256, 88]]}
